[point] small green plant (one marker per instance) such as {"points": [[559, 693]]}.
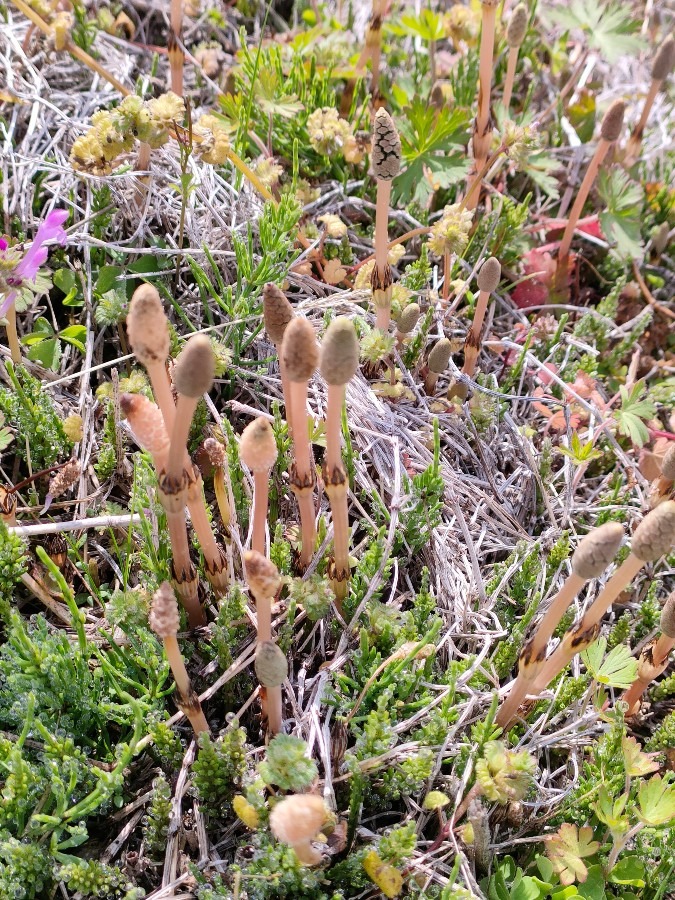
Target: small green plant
{"points": [[287, 765]]}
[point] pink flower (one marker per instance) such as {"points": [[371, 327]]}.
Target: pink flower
{"points": [[27, 268]]}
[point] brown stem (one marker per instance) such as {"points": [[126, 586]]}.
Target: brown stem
{"points": [[261, 482], [382, 224], [510, 76], [187, 699], [273, 708], [446, 275], [186, 581], [586, 185], [215, 563], [161, 388], [482, 132], [12, 336], [286, 390], [180, 431], [472, 342], [533, 656], [635, 140], [334, 403], [566, 650]]}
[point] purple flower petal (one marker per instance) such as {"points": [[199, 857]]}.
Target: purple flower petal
{"points": [[6, 303], [50, 230], [3, 244]]}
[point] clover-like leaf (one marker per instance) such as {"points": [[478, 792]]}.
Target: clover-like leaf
{"points": [[618, 669], [637, 763], [567, 849], [656, 799]]}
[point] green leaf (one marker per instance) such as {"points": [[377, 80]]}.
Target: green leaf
{"points": [[582, 116], [610, 811], [629, 870], [108, 277], [75, 335], [567, 849], [47, 353], [634, 411], [622, 220], [545, 867], [594, 886], [430, 26], [609, 27], [617, 669], [637, 763], [580, 453], [656, 799]]}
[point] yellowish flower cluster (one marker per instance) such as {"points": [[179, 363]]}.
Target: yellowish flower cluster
{"points": [[451, 233], [114, 131], [330, 134], [214, 145]]}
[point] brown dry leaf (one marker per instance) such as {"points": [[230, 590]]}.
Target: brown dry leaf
{"points": [[334, 272]]}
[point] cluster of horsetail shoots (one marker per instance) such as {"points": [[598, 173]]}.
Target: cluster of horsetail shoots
{"points": [[662, 66], [165, 621], [654, 657], [300, 357], [386, 164], [590, 559], [654, 537], [515, 35], [482, 131], [271, 666], [610, 129], [339, 362], [488, 279], [258, 451]]}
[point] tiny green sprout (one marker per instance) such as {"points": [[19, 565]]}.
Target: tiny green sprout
{"points": [[286, 764], [435, 800]]}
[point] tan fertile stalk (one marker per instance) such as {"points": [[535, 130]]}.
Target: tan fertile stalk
{"points": [[664, 484], [437, 363], [653, 537], [192, 377], [610, 129], [148, 332], [277, 313], [297, 821], [164, 621], [271, 669], [594, 553], [373, 48], [263, 580], [662, 66], [515, 35], [300, 355], [482, 132], [654, 658], [488, 279], [258, 451], [339, 362], [176, 55], [386, 164]]}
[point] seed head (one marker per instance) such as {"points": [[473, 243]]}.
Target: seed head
{"points": [[277, 312], [64, 478], [517, 27], [164, 617], [655, 534], [596, 551], [257, 446], [339, 351], [664, 59], [300, 351], [409, 318], [668, 616], [148, 326], [489, 275], [261, 574], [195, 367], [612, 121], [386, 147], [668, 463], [440, 356], [271, 666]]}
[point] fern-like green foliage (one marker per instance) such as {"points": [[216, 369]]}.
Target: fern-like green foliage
{"points": [[608, 27]]}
